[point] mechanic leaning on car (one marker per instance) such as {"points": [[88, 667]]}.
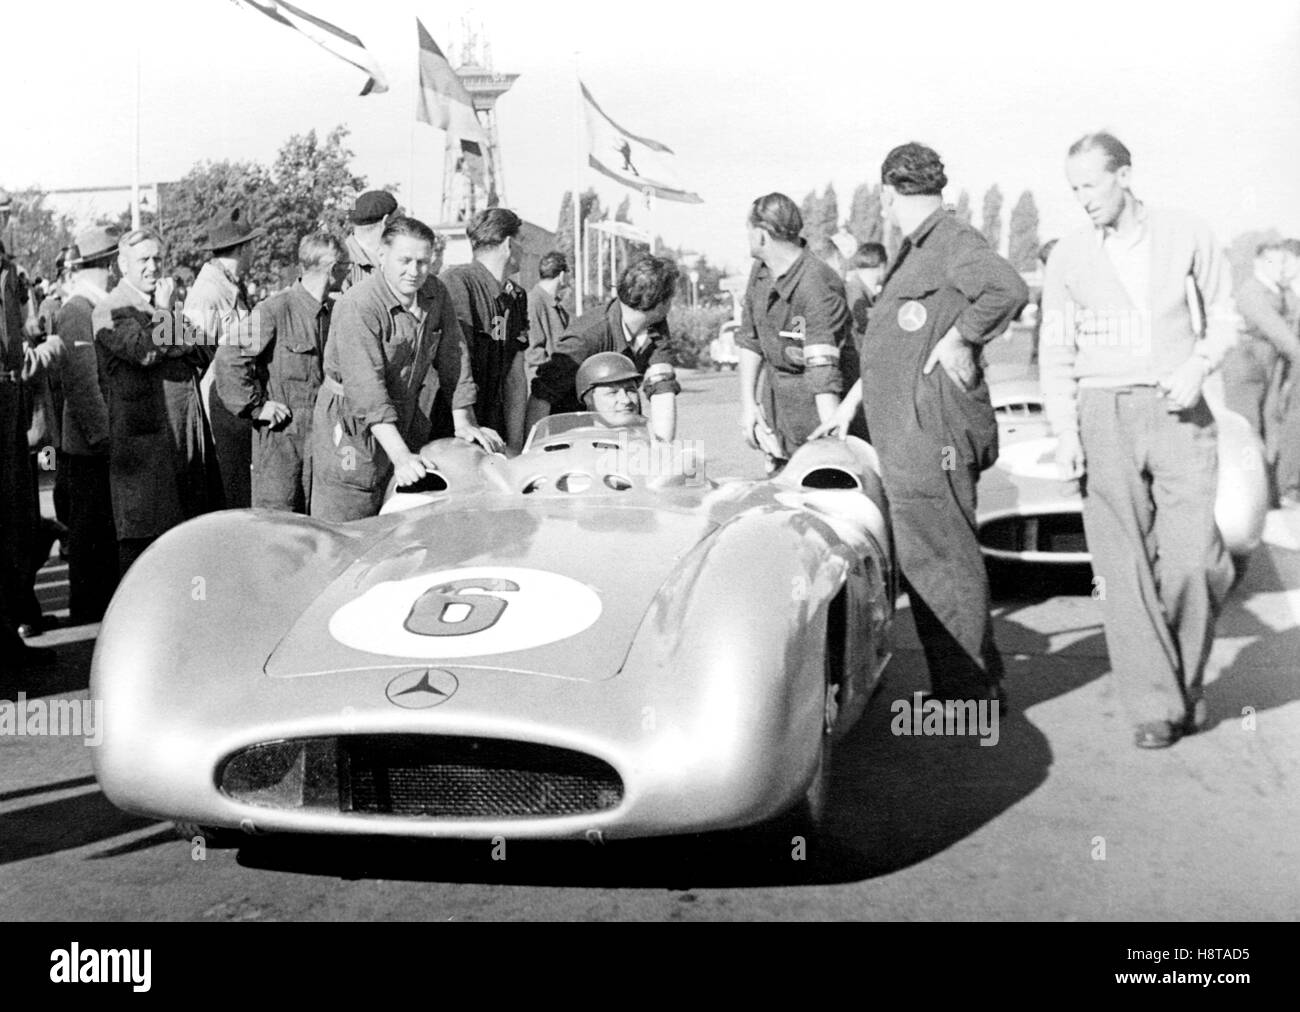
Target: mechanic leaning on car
{"points": [[387, 334], [633, 324], [946, 296], [795, 324]]}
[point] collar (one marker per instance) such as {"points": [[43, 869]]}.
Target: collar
{"points": [[495, 287], [136, 296], [422, 298], [785, 284], [309, 301], [1267, 282], [359, 254], [1105, 232], [224, 271], [91, 291], [918, 234]]}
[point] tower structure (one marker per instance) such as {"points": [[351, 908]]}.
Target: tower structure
{"points": [[462, 195]]}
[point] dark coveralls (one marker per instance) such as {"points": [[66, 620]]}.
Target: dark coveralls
{"points": [[494, 320], [603, 331], [92, 562], [934, 438], [283, 363], [376, 362], [799, 323], [18, 520]]}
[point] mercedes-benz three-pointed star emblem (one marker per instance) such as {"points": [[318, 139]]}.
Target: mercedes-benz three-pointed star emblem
{"points": [[421, 688]]}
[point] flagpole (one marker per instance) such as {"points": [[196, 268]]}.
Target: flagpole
{"points": [[135, 166], [415, 113], [579, 264]]}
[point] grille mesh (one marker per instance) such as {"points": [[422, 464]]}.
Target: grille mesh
{"points": [[472, 778]]}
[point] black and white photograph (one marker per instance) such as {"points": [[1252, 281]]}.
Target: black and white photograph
{"points": [[657, 463]]}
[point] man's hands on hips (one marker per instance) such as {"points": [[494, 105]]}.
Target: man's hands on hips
{"points": [[957, 358], [1182, 387]]}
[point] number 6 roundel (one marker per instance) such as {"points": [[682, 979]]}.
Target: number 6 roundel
{"points": [[466, 613]]}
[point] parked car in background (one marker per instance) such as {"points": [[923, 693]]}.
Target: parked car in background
{"points": [[722, 349]]}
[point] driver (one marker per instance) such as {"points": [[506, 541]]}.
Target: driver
{"points": [[607, 383]]}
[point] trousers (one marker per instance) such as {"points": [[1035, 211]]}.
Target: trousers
{"points": [[1162, 570]]}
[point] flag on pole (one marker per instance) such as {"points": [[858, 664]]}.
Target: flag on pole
{"points": [[331, 38], [445, 104], [647, 166]]}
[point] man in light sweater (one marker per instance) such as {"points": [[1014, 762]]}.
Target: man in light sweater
{"points": [[1122, 364]]}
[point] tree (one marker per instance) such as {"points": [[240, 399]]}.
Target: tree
{"points": [[963, 210], [865, 223], [35, 234], [810, 211], [829, 219], [589, 209], [314, 187], [624, 212], [309, 188], [992, 227], [1023, 241]]}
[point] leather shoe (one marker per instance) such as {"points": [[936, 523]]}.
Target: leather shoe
{"points": [[1157, 734]]}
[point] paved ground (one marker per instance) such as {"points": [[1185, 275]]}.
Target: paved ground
{"points": [[1062, 820]]}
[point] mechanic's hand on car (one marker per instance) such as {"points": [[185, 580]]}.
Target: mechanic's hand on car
{"points": [[410, 469], [1069, 456], [274, 413], [1182, 387], [957, 358], [483, 436], [837, 425]]}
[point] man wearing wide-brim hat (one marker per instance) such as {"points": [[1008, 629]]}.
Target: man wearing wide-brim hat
{"points": [[92, 549], [217, 306]]}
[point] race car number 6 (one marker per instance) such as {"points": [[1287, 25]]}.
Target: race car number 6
{"points": [[466, 613]]}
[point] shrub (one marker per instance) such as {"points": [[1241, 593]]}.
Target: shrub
{"points": [[692, 329]]}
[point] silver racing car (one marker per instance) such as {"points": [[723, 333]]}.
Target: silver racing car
{"points": [[1026, 514], [589, 640]]}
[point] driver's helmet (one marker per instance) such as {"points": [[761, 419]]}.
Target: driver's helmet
{"points": [[601, 368]]}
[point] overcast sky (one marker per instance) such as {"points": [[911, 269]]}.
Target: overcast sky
{"points": [[753, 98]]}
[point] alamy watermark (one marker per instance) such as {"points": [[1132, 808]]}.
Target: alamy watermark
{"points": [[62, 718], [653, 458], [174, 328], [946, 718]]}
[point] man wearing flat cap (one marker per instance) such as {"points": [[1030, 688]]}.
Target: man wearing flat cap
{"points": [[92, 561], [218, 306], [927, 406], [162, 469], [368, 216]]}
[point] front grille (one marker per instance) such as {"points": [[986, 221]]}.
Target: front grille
{"points": [[471, 778]]}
